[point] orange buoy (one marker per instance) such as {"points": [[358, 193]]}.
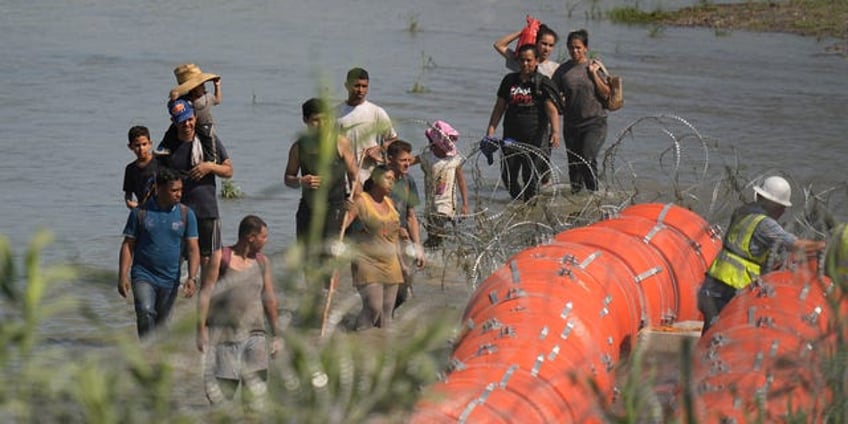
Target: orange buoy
{"points": [[541, 335], [763, 356]]}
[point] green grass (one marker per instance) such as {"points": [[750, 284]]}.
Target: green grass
{"points": [[633, 15], [819, 18]]}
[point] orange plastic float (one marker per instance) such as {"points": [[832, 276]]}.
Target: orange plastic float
{"points": [[762, 359], [649, 273], [575, 264], [702, 237], [542, 333], [681, 260]]}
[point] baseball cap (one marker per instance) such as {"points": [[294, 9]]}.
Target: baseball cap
{"points": [[180, 110]]}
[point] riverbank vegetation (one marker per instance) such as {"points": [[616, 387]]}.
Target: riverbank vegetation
{"points": [[817, 18]]}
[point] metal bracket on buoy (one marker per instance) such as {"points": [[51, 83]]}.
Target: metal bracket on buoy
{"points": [[540, 359], [515, 293], [589, 259], [569, 259], [773, 348], [563, 272], [490, 324], [718, 367], [463, 418], [567, 330], [507, 375], [554, 353], [758, 360], [486, 348], [765, 322], [647, 274], [813, 317], [513, 267], [456, 365], [654, 231], [805, 291], [507, 331]]}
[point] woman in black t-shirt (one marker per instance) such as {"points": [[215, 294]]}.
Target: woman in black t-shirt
{"points": [[526, 101]]}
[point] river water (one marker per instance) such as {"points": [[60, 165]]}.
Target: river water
{"points": [[77, 74]]}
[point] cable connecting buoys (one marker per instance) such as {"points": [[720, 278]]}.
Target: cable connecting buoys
{"points": [[762, 359], [541, 335]]}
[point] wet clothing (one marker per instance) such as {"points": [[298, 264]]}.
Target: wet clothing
{"points": [[309, 151], [237, 348], [525, 121], [308, 146], [440, 183], [200, 196], [440, 194], [159, 236], [155, 273], [365, 125], [235, 308], [203, 109], [584, 123], [582, 148], [404, 196], [140, 181], [376, 240]]}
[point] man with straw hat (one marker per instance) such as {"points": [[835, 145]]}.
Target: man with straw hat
{"points": [[189, 157]]}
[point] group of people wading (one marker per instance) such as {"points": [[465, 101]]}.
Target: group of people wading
{"points": [[354, 180]]}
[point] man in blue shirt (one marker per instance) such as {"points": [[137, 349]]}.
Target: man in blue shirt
{"points": [[150, 254]]}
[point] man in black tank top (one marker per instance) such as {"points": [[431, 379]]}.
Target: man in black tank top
{"points": [[321, 164]]}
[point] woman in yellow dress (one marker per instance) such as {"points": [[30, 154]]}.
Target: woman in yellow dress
{"points": [[376, 265]]}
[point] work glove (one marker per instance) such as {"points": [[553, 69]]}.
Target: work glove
{"points": [[489, 145]]}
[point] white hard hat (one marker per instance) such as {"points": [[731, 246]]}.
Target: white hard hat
{"points": [[775, 189]]}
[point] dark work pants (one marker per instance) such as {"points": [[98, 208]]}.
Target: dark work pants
{"points": [[583, 146]]}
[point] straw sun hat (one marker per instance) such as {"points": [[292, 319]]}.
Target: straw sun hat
{"points": [[189, 76]]}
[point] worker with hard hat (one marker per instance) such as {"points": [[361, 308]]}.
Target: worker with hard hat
{"points": [[753, 233]]}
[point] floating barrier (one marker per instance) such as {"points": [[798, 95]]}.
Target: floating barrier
{"points": [[541, 335], [763, 358]]}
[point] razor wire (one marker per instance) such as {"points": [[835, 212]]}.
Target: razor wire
{"points": [[650, 155]]}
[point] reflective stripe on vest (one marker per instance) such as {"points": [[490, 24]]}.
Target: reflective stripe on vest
{"points": [[836, 258], [735, 265]]}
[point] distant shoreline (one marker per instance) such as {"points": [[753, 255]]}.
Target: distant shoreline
{"points": [[817, 18]]}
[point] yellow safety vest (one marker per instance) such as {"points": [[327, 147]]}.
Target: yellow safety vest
{"points": [[735, 265], [836, 257]]}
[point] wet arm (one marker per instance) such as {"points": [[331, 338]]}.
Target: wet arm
{"points": [[128, 199], [463, 189], [809, 247], [290, 177], [193, 250], [222, 170], [124, 264], [269, 299], [553, 118], [601, 86], [502, 43], [219, 96], [207, 285], [346, 152], [495, 118]]}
